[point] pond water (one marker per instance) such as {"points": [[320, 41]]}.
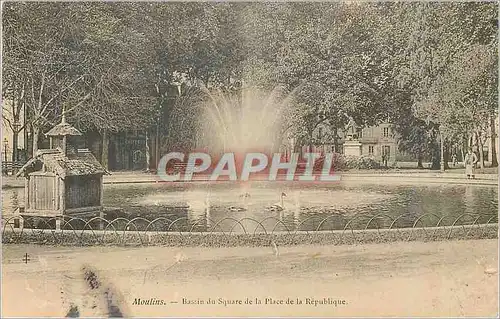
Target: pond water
{"points": [[290, 205]]}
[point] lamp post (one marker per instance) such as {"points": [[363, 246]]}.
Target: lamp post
{"points": [[15, 142], [441, 162], [441, 142]]}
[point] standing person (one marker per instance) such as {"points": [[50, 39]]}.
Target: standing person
{"points": [[469, 161], [454, 160]]}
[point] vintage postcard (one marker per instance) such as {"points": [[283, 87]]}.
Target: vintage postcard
{"points": [[249, 159]]}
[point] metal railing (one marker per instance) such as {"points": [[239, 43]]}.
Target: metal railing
{"points": [[248, 231]]}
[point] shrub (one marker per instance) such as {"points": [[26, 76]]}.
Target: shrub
{"points": [[342, 162]]}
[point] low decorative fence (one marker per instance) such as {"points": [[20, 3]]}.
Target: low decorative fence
{"points": [[11, 168], [361, 228]]}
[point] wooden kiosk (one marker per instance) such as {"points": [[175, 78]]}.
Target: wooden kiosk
{"points": [[63, 180]]}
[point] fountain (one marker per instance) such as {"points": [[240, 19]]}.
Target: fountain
{"points": [[249, 122], [245, 123]]}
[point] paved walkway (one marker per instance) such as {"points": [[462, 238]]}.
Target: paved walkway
{"points": [[448, 278]]}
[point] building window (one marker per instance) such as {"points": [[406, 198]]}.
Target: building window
{"points": [[386, 132], [370, 149], [320, 133], [360, 134]]}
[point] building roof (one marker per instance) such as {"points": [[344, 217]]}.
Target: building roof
{"points": [[80, 163], [63, 129]]}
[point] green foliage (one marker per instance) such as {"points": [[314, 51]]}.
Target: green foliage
{"points": [[78, 57], [118, 66], [463, 98], [443, 73]]}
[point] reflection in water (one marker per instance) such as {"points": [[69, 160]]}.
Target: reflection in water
{"points": [[14, 199], [207, 204], [296, 211], [469, 199], [208, 218]]}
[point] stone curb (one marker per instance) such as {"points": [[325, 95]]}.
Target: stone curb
{"points": [[486, 179]]}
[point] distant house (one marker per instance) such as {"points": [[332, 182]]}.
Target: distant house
{"points": [[381, 140], [376, 141], [63, 180]]}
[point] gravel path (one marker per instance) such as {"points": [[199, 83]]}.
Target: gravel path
{"points": [[448, 278]]}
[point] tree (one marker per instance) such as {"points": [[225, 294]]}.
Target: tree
{"points": [[38, 70], [85, 59], [323, 55], [123, 96], [467, 96], [439, 34]]}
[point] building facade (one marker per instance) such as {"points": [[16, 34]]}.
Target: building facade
{"points": [[376, 142]]}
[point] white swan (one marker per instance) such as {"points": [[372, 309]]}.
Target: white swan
{"points": [[239, 208], [278, 206]]}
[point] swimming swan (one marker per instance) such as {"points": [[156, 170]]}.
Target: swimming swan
{"points": [[278, 206]]}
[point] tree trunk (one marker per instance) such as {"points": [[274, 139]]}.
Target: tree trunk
{"points": [[464, 148], [15, 143], [335, 140], [479, 148], [310, 148], [29, 141], [157, 144], [25, 132], [435, 162], [17, 107], [105, 149], [435, 157], [419, 161], [481, 152], [36, 133], [475, 142], [481, 158], [148, 155], [15, 118], [493, 150], [446, 156], [441, 152]]}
